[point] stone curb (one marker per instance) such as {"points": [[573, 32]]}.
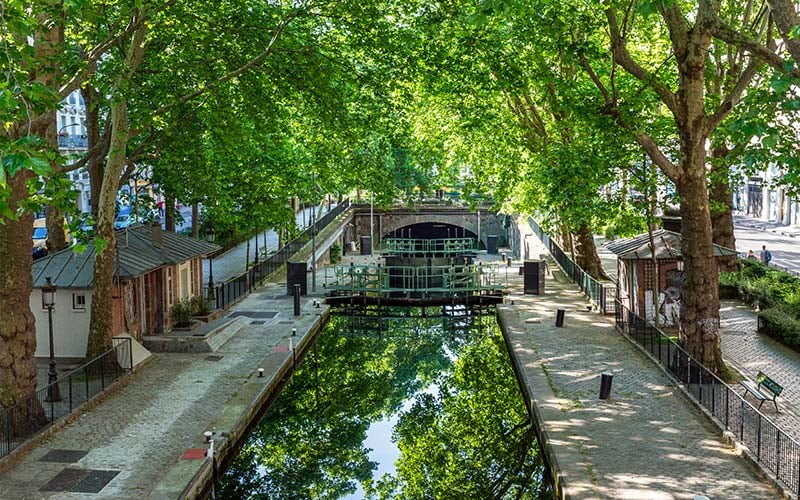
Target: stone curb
{"points": [[13, 458]]}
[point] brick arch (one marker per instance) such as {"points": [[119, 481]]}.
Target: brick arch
{"points": [[387, 222]]}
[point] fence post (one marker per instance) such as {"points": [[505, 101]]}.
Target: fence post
{"points": [[86, 379], [102, 375], [70, 393], [741, 421], [758, 438], [778, 455], [130, 354]]}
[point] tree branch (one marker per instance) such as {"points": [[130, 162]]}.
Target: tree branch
{"points": [[659, 158], [253, 62], [623, 58], [734, 95]]}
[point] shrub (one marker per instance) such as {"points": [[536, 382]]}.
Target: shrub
{"points": [[181, 313], [335, 253], [782, 325], [200, 304]]}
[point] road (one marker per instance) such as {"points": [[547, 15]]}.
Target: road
{"points": [[782, 241]]}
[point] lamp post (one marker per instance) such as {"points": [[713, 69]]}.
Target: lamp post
{"points": [[313, 233], [48, 302], [210, 234]]}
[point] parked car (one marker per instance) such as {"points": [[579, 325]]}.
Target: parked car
{"points": [[39, 238], [122, 221]]}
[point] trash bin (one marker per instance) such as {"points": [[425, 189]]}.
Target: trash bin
{"points": [[491, 244], [296, 274], [366, 245]]}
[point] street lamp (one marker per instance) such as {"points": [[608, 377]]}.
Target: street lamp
{"points": [[313, 233], [210, 234], [48, 302]]}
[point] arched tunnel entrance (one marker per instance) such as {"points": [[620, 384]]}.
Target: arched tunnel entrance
{"points": [[432, 230]]}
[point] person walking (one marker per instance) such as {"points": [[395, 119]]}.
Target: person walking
{"points": [[766, 255]]}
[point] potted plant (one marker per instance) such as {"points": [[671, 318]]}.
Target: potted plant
{"points": [[182, 316]]}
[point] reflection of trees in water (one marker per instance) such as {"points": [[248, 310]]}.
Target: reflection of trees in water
{"points": [[310, 443]]}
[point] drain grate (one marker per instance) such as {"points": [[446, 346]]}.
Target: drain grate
{"points": [[63, 456], [286, 322], [257, 322], [254, 314], [80, 480], [213, 357]]}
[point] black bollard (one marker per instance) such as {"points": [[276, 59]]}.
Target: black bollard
{"points": [[605, 385], [297, 300], [560, 318]]}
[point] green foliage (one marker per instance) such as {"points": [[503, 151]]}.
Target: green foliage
{"points": [[181, 313], [775, 292], [335, 253], [311, 442], [781, 324], [200, 304]]}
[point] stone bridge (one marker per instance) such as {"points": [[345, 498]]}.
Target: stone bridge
{"points": [[425, 221]]}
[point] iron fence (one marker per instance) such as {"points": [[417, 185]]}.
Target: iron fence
{"points": [[47, 405], [602, 295], [775, 450], [239, 286]]}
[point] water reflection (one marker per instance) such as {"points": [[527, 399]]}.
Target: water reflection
{"points": [[415, 408]]}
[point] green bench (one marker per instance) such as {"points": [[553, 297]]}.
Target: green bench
{"points": [[763, 389]]}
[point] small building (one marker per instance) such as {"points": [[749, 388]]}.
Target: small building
{"points": [[153, 270], [635, 274]]}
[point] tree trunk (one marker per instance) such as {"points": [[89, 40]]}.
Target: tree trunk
{"points": [[17, 323], [101, 321], [56, 237], [169, 214], [195, 220], [722, 206], [586, 253], [700, 295], [17, 326], [94, 166]]}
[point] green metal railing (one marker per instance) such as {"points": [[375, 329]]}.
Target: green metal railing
{"points": [[376, 279], [445, 247]]}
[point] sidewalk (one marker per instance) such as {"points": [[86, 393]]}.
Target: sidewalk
{"points": [[131, 446], [232, 263], [647, 441], [750, 352], [762, 225]]}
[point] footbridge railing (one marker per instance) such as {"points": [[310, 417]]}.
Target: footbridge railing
{"points": [[376, 279], [445, 247], [601, 295]]}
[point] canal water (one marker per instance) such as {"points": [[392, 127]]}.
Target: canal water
{"points": [[395, 407]]}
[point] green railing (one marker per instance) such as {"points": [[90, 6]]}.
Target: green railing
{"points": [[376, 279], [444, 247]]}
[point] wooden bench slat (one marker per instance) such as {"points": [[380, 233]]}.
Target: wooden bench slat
{"points": [[764, 389]]}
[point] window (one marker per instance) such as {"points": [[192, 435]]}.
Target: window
{"points": [[78, 301]]}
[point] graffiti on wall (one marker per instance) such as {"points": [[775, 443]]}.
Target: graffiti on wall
{"points": [[669, 299]]}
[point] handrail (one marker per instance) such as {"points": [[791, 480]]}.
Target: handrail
{"points": [[776, 451], [47, 405], [231, 290], [601, 295]]}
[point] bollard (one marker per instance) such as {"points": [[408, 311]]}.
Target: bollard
{"points": [[208, 435], [210, 452], [605, 385], [297, 300], [560, 318], [260, 372], [509, 262], [294, 332]]}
